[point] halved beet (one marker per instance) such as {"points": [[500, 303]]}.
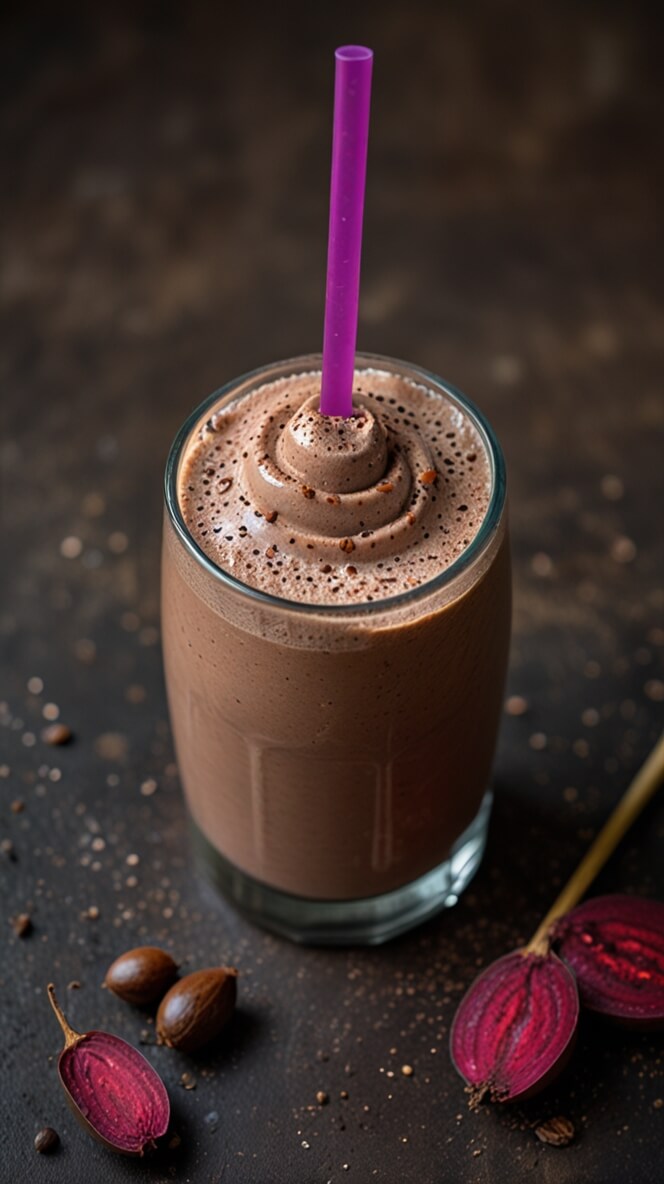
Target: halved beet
{"points": [[515, 1027], [615, 946], [111, 1087], [116, 1093]]}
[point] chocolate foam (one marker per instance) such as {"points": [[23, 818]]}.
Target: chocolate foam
{"points": [[325, 509]]}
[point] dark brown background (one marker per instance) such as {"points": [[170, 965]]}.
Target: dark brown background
{"points": [[164, 205]]}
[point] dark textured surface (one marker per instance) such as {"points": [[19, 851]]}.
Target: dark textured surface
{"points": [[164, 205]]}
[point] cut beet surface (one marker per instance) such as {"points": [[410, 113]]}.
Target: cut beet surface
{"points": [[515, 1027], [112, 1088], [615, 947]]}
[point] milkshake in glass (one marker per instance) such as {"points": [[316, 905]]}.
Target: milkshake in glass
{"points": [[336, 618]]}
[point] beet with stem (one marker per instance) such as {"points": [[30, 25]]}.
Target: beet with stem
{"points": [[515, 1026], [113, 1090]]}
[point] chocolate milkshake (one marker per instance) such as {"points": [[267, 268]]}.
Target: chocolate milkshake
{"points": [[336, 602]]}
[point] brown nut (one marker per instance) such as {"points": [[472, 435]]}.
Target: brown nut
{"points": [[142, 975], [196, 1008]]}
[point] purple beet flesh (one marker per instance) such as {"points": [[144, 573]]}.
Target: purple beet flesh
{"points": [[515, 1027], [117, 1093], [615, 947]]}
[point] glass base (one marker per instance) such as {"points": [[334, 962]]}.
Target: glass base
{"points": [[369, 921]]}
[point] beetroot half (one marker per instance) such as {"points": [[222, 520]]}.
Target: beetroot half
{"points": [[515, 1027], [112, 1089], [615, 946]]}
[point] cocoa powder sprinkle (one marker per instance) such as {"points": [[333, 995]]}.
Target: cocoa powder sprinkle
{"points": [[56, 734], [516, 705], [22, 924]]}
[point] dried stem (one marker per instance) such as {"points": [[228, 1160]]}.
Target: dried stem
{"points": [[71, 1036], [629, 807]]}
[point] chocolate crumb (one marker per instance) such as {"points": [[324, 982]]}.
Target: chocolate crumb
{"points": [[557, 1132], [271, 516], [322, 1098], [56, 734], [47, 1140], [308, 491], [22, 924], [516, 705], [347, 545]]}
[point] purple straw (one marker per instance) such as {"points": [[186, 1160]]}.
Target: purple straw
{"points": [[352, 94]]}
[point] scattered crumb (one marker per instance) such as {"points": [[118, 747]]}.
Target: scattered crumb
{"points": [[590, 717], [111, 746], [541, 564], [117, 542], [612, 487], [557, 1132], [22, 924], [516, 705], [47, 1141], [623, 550], [85, 650], [56, 734], [71, 547], [538, 741]]}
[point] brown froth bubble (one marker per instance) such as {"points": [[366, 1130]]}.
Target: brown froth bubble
{"points": [[313, 485]]}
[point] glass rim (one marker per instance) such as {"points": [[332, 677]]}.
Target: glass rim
{"points": [[363, 361]]}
